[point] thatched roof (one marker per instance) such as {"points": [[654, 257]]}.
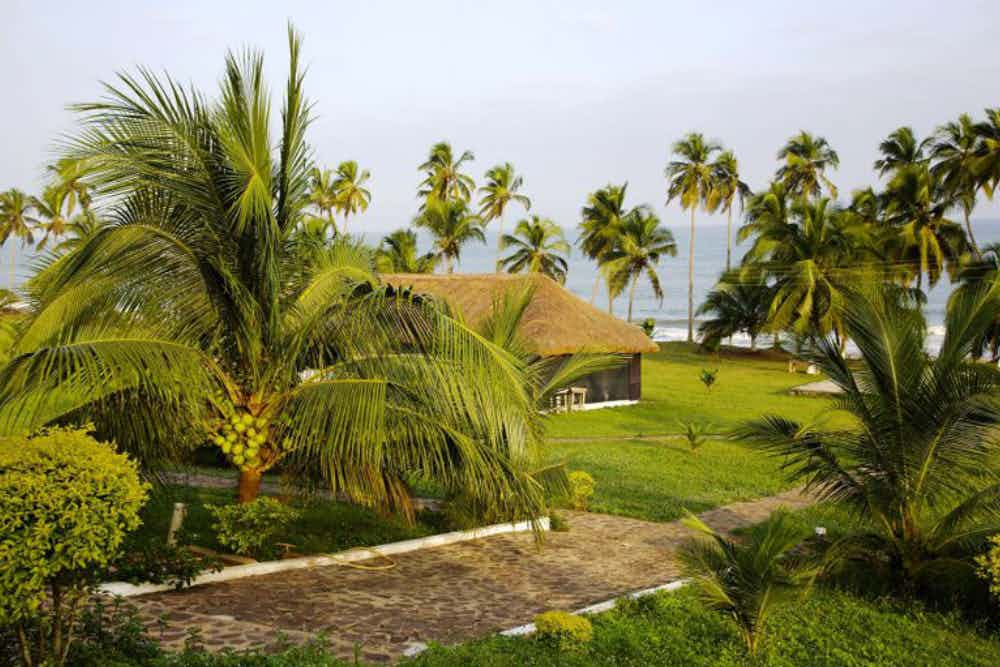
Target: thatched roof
{"points": [[556, 322]]}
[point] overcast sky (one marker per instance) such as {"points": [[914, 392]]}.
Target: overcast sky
{"points": [[575, 94]]}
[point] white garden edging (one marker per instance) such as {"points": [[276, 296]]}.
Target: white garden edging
{"points": [[125, 589]]}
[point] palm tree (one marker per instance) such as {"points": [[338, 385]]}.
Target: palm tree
{"points": [[640, 246], [539, 247], [738, 303], [986, 165], [599, 228], [16, 220], [984, 270], [728, 188], [70, 176], [443, 178], [397, 253], [502, 186], [348, 186], [806, 159], [751, 578], [926, 242], [322, 195], [453, 225], [691, 180], [899, 149], [954, 154], [50, 207], [917, 465], [192, 318]]}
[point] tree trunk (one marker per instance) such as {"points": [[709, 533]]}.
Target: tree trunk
{"points": [[729, 236], [597, 286], [13, 265], [249, 487], [691, 282], [499, 241], [611, 301], [449, 264], [753, 343], [972, 237], [631, 295]]}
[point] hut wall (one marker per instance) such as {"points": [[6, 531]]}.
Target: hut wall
{"points": [[618, 384]]}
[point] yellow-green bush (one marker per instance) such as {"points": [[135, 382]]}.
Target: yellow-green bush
{"points": [[249, 529], [581, 488], [563, 629], [989, 566], [66, 504]]}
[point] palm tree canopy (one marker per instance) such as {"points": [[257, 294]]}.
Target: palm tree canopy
{"points": [[728, 186], [51, 207], [739, 302], [986, 165], [16, 217], [193, 307], [690, 175], [453, 225], [443, 178], [349, 185], [539, 247], [899, 149], [640, 246], [806, 159], [602, 220], [397, 253], [502, 187]]}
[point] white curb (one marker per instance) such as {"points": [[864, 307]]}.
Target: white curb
{"points": [[125, 589]]}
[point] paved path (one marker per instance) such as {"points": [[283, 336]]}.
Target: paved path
{"points": [[446, 594]]}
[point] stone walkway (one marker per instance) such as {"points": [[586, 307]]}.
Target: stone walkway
{"points": [[445, 594]]}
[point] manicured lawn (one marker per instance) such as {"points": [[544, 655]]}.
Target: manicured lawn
{"points": [[747, 386], [657, 479], [324, 526], [828, 629]]}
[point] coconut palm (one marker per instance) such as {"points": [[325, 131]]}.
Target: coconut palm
{"points": [[192, 318], [640, 246], [926, 241], [70, 176], [751, 578], [322, 195], [599, 228], [806, 159], [728, 188], [443, 178], [691, 181], [502, 186], [917, 463], [350, 192], [986, 165], [738, 303], [954, 154], [17, 221], [985, 269], [538, 247], [899, 149], [50, 207], [397, 253], [453, 225]]}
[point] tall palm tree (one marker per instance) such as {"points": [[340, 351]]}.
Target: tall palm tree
{"points": [[806, 160], [397, 253], [17, 221], [986, 166], [502, 187], [322, 195], [899, 149], [70, 176], [954, 153], [985, 269], [51, 207], [728, 188], [443, 178], [643, 242], [349, 187], [737, 303], [691, 181], [917, 463], [453, 225], [191, 318], [601, 221], [926, 242], [539, 247]]}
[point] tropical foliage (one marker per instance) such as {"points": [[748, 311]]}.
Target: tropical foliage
{"points": [[452, 224], [538, 246], [737, 304], [640, 244], [397, 253], [443, 177], [502, 187]]}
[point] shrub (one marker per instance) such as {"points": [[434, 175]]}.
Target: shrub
{"points": [[581, 488], [694, 434], [563, 629], [249, 528], [66, 504], [708, 377], [989, 566], [162, 563], [648, 326]]}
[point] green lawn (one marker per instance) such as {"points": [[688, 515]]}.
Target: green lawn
{"points": [[747, 386], [657, 479]]}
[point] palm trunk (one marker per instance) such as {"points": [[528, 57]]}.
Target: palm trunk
{"points": [[691, 282], [729, 237], [449, 265], [631, 295], [597, 286], [972, 237], [345, 225], [249, 486], [499, 241], [611, 301], [13, 266]]}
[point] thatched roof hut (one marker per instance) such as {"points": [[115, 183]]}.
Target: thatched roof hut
{"points": [[557, 322]]}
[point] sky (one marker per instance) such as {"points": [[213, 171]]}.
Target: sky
{"points": [[574, 94]]}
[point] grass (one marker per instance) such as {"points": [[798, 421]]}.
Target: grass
{"points": [[748, 385], [324, 526], [827, 629], [656, 479]]}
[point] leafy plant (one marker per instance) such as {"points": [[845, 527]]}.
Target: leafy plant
{"points": [[66, 505], [249, 528], [694, 434], [748, 580], [648, 326], [708, 377], [988, 565], [161, 563], [581, 488], [567, 631]]}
